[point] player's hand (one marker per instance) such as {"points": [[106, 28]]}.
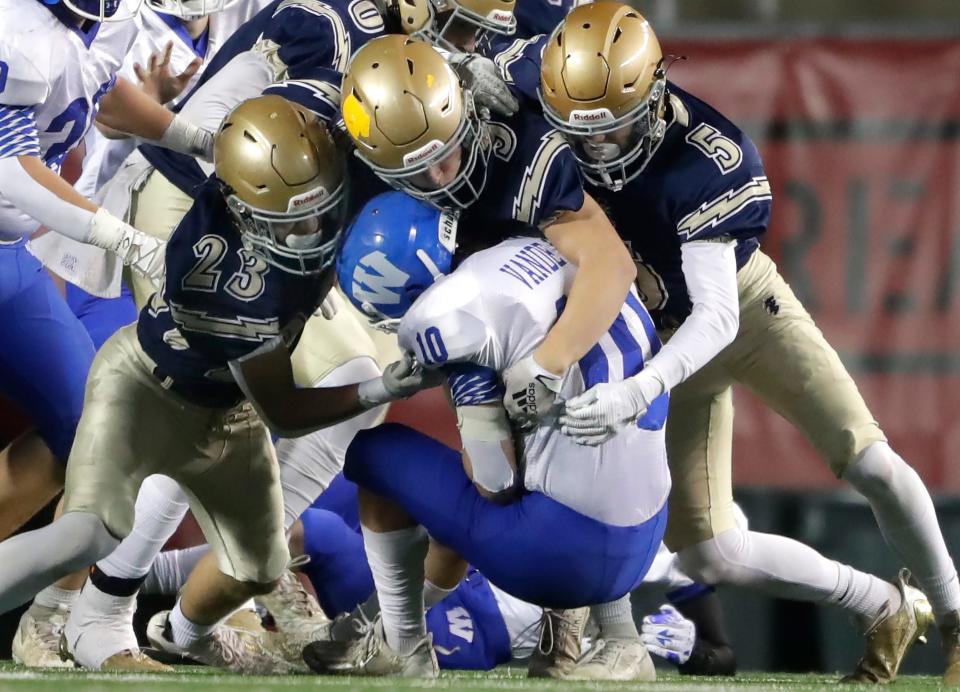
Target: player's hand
{"points": [[481, 77], [157, 80], [407, 376], [531, 391], [603, 410], [144, 254], [669, 635]]}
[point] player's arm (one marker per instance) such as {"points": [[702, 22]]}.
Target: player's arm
{"points": [[30, 186], [266, 378], [126, 108], [489, 455]]}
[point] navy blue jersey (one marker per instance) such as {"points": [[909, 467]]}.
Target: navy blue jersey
{"points": [[518, 60], [220, 302], [706, 181], [308, 42], [541, 16], [532, 178]]}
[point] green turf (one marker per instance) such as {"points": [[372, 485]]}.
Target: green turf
{"points": [[13, 677]]}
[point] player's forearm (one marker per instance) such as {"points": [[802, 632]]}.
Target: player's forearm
{"points": [[710, 271], [46, 197], [605, 272], [126, 108]]}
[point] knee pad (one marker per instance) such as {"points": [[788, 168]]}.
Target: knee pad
{"points": [[708, 562], [875, 469]]}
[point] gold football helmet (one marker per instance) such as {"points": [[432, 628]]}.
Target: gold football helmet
{"points": [[413, 123], [432, 20], [603, 85], [284, 179]]}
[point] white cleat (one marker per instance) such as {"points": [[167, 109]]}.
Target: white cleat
{"points": [[36, 643], [615, 659], [99, 634], [295, 611], [371, 655], [237, 650]]}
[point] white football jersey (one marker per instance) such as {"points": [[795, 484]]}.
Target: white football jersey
{"points": [[104, 156], [492, 312], [52, 77]]}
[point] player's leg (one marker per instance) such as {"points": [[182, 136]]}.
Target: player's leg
{"points": [[795, 371], [44, 362], [102, 617], [236, 498], [101, 317]]}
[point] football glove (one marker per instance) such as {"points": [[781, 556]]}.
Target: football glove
{"points": [[603, 410], [480, 76], [669, 635], [531, 392], [400, 379]]}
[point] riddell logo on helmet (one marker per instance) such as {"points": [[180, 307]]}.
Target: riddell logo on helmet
{"points": [[428, 149], [306, 199], [500, 16], [597, 115]]}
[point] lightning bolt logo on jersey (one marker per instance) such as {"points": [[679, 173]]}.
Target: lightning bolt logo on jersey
{"points": [[220, 301]]}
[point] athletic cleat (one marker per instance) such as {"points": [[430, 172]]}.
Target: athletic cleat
{"points": [[615, 659], [237, 650], [36, 643], [892, 634], [560, 643], [371, 655], [950, 642], [708, 659], [296, 613], [99, 634]]}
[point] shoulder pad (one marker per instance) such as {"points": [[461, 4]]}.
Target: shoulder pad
{"points": [[439, 331], [22, 83]]}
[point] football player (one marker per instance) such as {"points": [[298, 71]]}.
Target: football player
{"points": [[651, 151], [570, 529], [174, 42], [247, 265]]}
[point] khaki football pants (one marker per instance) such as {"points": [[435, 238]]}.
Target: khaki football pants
{"points": [[781, 355], [223, 459]]}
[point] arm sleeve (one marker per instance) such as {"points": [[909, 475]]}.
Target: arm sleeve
{"points": [[18, 132], [710, 270], [26, 194], [244, 77]]}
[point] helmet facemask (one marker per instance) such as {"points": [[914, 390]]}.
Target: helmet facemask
{"points": [[104, 10], [189, 10], [472, 138], [448, 13], [607, 163], [302, 241]]}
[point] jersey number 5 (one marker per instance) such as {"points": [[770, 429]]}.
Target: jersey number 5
{"points": [[722, 150], [245, 284]]}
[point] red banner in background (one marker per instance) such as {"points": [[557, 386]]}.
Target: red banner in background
{"points": [[861, 141]]}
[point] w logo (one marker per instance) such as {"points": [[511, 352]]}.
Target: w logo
{"points": [[461, 625], [376, 280]]}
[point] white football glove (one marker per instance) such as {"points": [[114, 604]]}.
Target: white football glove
{"points": [[400, 379], [480, 76], [603, 410], [531, 392], [669, 635], [144, 254]]}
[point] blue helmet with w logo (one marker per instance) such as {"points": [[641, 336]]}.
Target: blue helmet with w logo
{"points": [[394, 250]]}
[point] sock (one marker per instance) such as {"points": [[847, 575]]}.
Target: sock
{"points": [[159, 509], [185, 632], [616, 619], [905, 514], [396, 561], [785, 568], [55, 597], [433, 594], [170, 570]]}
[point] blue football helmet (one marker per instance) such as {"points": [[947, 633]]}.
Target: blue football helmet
{"points": [[394, 250]]}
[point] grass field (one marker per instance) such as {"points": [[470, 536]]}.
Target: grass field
{"points": [[13, 677]]}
